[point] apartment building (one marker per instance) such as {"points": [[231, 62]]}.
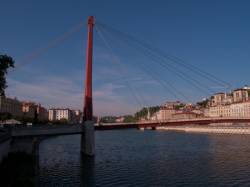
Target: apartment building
{"points": [[240, 95], [60, 113], [72, 116], [233, 110], [9, 105], [29, 109]]}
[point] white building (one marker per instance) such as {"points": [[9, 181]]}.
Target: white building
{"points": [[163, 114], [60, 113], [233, 110]]}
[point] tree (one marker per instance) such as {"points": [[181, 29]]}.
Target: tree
{"points": [[144, 112], [5, 116], [108, 119], [203, 104], [5, 63], [129, 119]]}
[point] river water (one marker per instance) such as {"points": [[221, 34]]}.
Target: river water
{"points": [[147, 158]]}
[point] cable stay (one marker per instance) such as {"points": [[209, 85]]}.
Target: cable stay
{"points": [[132, 91], [172, 59], [173, 70], [177, 72], [165, 85], [52, 43]]}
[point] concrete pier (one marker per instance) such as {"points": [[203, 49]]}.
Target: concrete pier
{"points": [[88, 139], [5, 141], [209, 129]]}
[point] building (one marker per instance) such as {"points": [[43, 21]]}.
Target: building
{"points": [[233, 110], [217, 99], [221, 99], [186, 115], [240, 109], [42, 113], [172, 104], [52, 114], [12, 106], [228, 99], [29, 109], [240, 95], [57, 114], [218, 111], [77, 116], [164, 113]]}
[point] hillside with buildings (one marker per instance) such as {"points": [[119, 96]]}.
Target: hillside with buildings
{"points": [[233, 104]]}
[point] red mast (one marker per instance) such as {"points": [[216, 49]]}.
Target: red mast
{"points": [[88, 105]]}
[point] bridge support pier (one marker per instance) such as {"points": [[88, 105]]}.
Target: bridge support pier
{"points": [[88, 139]]}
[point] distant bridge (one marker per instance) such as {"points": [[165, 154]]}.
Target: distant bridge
{"points": [[77, 129], [196, 121], [27, 139]]}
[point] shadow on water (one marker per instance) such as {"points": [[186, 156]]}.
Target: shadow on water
{"points": [[87, 171]]}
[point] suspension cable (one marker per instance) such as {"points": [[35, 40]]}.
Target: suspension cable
{"points": [[52, 43], [119, 65], [172, 69], [172, 58]]}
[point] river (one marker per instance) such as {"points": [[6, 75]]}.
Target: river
{"points": [[147, 158]]}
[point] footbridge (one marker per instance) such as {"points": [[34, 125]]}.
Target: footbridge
{"points": [[167, 64], [56, 130]]}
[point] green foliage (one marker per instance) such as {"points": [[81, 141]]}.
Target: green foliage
{"points": [[64, 121], [61, 121], [108, 119], [5, 63], [179, 106], [5, 116], [144, 112], [203, 104], [129, 119], [24, 119]]}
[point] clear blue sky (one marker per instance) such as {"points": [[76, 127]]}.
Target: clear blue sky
{"points": [[213, 35]]}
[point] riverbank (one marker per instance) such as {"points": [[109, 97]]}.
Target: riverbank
{"points": [[209, 129]]}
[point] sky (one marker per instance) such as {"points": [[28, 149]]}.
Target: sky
{"points": [[212, 35]]}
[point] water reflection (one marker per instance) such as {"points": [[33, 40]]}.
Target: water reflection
{"points": [[148, 158], [87, 171]]}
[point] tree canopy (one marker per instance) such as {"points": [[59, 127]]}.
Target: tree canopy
{"points": [[203, 104], [5, 63], [144, 112]]}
